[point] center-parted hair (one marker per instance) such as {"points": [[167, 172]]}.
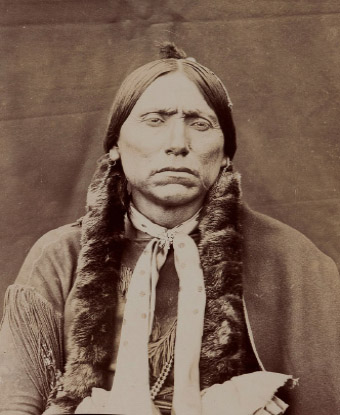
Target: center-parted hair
{"points": [[173, 60]]}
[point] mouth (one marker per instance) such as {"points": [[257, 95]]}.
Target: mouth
{"points": [[177, 170]]}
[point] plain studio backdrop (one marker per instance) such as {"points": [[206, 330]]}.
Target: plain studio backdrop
{"points": [[62, 62]]}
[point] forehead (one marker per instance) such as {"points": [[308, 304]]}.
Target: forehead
{"points": [[172, 91]]}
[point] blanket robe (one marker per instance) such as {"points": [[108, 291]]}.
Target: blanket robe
{"points": [[292, 297]]}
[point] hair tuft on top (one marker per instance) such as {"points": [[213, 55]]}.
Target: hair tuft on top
{"points": [[168, 50]]}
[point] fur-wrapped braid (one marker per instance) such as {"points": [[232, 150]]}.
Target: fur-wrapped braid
{"points": [[94, 303], [220, 246]]}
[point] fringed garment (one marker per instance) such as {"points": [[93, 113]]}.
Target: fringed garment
{"points": [[292, 293], [103, 242]]}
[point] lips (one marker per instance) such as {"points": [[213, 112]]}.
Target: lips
{"points": [[177, 169]]}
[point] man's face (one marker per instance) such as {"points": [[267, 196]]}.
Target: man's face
{"points": [[171, 145]]}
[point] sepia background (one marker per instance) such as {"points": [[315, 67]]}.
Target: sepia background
{"points": [[61, 64]]}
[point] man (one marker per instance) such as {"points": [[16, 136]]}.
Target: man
{"points": [[169, 284]]}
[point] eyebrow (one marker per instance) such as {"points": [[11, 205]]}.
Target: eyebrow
{"points": [[197, 114], [187, 113], [165, 112]]}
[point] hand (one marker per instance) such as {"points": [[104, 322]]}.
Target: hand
{"points": [[248, 394], [274, 407]]}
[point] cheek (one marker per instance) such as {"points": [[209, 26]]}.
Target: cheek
{"points": [[135, 157], [211, 162], [134, 141], [212, 153]]}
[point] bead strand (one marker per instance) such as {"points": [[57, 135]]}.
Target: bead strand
{"points": [[161, 378]]}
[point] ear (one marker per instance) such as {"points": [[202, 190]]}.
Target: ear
{"points": [[225, 161], [114, 153]]}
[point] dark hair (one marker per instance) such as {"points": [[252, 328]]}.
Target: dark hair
{"points": [[173, 59]]}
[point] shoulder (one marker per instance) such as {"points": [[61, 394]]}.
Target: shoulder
{"points": [[272, 237], [274, 251], [66, 236], [56, 247], [292, 298], [50, 265]]}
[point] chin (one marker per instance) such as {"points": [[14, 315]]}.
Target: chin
{"points": [[177, 195]]}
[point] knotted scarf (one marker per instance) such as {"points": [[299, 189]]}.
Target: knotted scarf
{"points": [[130, 393]]}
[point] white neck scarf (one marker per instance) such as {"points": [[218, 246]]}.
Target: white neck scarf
{"points": [[130, 393]]}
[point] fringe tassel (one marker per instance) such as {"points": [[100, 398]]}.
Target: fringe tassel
{"points": [[37, 333], [161, 350], [124, 281]]}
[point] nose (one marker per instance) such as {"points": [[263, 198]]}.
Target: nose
{"points": [[177, 143]]}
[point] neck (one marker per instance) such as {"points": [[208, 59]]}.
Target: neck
{"points": [[165, 215]]}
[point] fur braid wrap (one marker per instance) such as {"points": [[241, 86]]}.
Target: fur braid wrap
{"points": [[92, 332], [220, 249], [94, 300]]}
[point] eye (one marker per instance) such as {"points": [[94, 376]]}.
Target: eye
{"points": [[201, 125], [153, 120]]}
